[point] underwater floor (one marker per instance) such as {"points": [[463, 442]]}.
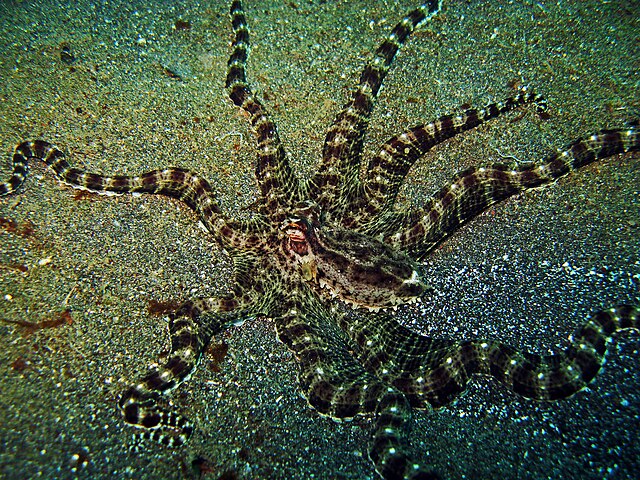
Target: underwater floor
{"points": [[129, 86]]}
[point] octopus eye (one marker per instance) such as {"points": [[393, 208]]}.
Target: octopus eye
{"points": [[298, 232]]}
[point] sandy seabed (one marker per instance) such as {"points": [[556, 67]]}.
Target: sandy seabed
{"points": [[142, 94]]}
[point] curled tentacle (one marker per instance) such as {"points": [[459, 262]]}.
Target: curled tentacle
{"points": [[191, 328], [432, 372]]}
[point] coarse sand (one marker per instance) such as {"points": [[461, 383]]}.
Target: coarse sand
{"points": [[129, 86]]}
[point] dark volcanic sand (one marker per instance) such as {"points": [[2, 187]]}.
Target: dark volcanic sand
{"points": [[527, 272]]}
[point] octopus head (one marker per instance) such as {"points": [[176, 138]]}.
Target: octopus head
{"points": [[354, 267]]}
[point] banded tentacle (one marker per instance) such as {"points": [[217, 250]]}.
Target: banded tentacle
{"points": [[276, 180], [387, 170], [191, 328], [433, 373], [337, 176], [475, 189], [172, 182], [337, 385]]}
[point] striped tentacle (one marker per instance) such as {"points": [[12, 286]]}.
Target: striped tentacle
{"points": [[553, 377], [394, 352], [389, 446], [335, 384], [191, 328], [433, 373], [387, 169], [337, 176], [172, 182], [276, 180], [473, 190]]}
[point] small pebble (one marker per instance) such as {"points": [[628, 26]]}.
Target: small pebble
{"points": [[66, 55]]}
